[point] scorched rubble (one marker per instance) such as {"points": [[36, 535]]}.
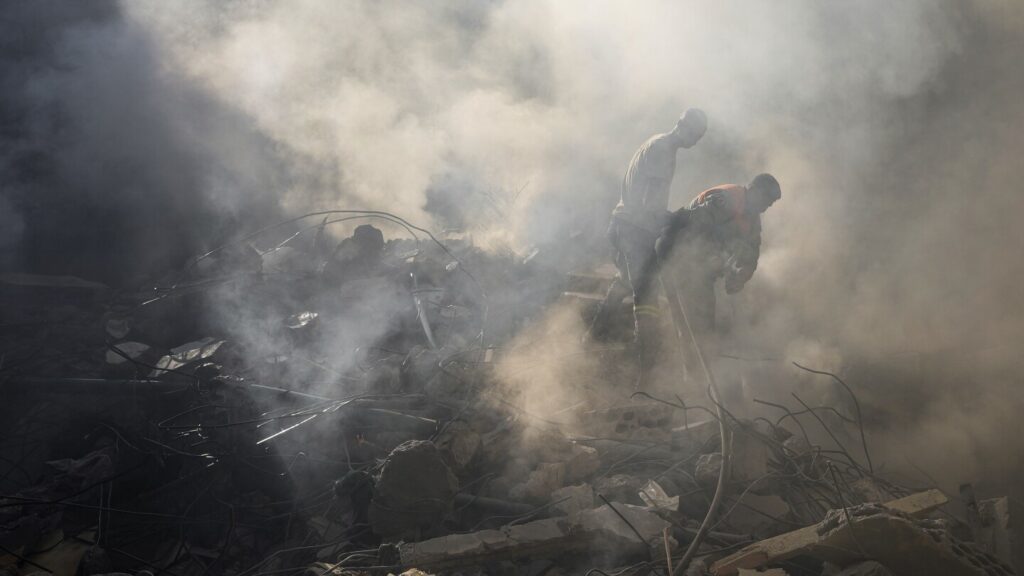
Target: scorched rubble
{"points": [[142, 433]]}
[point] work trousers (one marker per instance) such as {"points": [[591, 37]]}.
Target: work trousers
{"points": [[638, 273]]}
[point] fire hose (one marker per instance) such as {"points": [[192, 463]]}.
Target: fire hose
{"points": [[679, 316]]}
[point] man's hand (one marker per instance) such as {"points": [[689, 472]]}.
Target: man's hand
{"points": [[733, 284], [734, 276]]}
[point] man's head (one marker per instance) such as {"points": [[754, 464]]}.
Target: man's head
{"points": [[690, 127], [762, 192]]}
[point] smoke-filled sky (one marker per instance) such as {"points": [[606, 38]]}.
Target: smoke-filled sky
{"points": [[136, 133]]}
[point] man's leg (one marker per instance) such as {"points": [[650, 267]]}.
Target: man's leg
{"points": [[641, 267], [617, 292]]}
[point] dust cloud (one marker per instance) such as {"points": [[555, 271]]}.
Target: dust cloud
{"points": [[894, 129]]}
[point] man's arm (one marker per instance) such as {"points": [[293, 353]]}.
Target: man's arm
{"points": [[703, 217], [745, 252], [711, 213]]}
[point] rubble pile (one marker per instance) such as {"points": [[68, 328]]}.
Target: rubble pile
{"points": [[165, 432]]}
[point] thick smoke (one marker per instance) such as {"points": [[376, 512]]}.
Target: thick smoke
{"points": [[893, 128], [113, 166]]}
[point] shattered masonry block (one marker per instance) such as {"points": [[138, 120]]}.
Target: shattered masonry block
{"points": [[606, 527], [599, 529], [887, 533], [621, 488], [573, 499], [540, 483], [533, 539]]}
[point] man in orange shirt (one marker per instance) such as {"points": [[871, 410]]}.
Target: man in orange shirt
{"points": [[717, 236]]}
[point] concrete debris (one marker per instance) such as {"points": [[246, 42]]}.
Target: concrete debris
{"points": [[141, 432], [414, 493], [625, 529], [869, 568], [894, 535], [460, 443], [540, 483], [125, 352], [600, 529], [621, 488], [533, 539], [572, 500]]}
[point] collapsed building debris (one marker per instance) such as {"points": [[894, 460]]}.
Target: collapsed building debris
{"points": [[142, 437]]}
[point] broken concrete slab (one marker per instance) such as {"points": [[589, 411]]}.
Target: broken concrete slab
{"points": [[126, 352], [540, 483], [869, 568], [572, 500], [794, 543], [904, 545], [621, 488], [534, 539], [599, 529], [621, 529]]}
